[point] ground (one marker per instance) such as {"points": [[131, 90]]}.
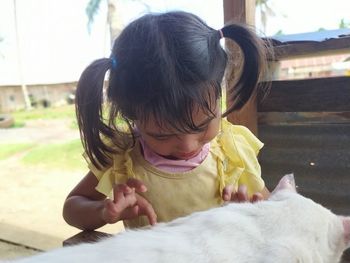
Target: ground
{"points": [[32, 197]]}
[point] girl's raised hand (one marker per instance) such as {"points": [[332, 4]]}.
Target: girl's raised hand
{"points": [[241, 195], [128, 204]]}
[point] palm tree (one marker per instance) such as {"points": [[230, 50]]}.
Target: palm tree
{"points": [[19, 60], [1, 54], [343, 24], [114, 15], [265, 11]]}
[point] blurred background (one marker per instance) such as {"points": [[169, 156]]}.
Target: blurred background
{"points": [[44, 47]]}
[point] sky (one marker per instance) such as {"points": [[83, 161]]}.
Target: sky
{"points": [[297, 16], [55, 45]]}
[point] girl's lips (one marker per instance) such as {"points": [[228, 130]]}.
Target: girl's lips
{"points": [[188, 155]]}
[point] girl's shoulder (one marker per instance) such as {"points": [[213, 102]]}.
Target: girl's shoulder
{"points": [[118, 145], [238, 135], [227, 126], [236, 149], [120, 167]]}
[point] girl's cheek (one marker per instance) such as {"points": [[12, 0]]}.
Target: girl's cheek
{"points": [[212, 131], [162, 147]]}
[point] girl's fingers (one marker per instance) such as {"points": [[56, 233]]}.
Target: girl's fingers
{"points": [[124, 197], [110, 213], [147, 210], [257, 197], [141, 207], [131, 212], [227, 192], [120, 190], [127, 204], [137, 184], [241, 195], [109, 205]]}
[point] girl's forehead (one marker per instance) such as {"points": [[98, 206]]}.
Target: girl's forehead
{"points": [[199, 117]]}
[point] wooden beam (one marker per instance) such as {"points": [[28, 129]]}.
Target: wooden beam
{"points": [[307, 95], [85, 237], [308, 49], [241, 11]]}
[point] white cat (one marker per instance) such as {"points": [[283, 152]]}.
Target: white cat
{"points": [[286, 228]]}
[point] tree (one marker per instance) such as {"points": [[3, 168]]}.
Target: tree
{"points": [[265, 11], [343, 24], [1, 40], [19, 60], [279, 32], [114, 15]]}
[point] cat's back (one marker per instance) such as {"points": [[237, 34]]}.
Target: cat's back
{"points": [[286, 228]]}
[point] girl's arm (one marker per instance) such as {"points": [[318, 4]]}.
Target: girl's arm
{"points": [[87, 209], [84, 206]]}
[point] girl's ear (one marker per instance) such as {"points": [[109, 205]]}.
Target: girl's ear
{"points": [[346, 226], [286, 183]]}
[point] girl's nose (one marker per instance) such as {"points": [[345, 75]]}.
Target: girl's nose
{"points": [[188, 143]]}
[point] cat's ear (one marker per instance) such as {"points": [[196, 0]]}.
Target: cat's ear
{"points": [[346, 226], [286, 182]]}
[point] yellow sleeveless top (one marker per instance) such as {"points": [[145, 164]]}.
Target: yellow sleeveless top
{"points": [[232, 159]]}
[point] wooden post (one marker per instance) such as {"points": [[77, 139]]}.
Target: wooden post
{"points": [[241, 11]]}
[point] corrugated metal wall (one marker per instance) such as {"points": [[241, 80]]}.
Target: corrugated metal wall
{"points": [[319, 157]]}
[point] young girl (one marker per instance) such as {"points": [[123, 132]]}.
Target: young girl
{"points": [[176, 155]]}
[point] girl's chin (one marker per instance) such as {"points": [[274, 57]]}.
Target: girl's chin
{"points": [[181, 156]]}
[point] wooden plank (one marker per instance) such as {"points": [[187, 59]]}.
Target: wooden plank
{"points": [[247, 116], [85, 237], [308, 49], [239, 11], [242, 11], [307, 95], [303, 118]]}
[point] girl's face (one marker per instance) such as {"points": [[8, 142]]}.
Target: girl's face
{"points": [[174, 145]]}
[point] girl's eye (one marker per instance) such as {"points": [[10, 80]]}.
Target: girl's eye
{"points": [[162, 138], [203, 128]]}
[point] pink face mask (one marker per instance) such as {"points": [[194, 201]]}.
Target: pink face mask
{"points": [[173, 166]]}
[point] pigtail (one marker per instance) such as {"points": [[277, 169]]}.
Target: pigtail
{"points": [[89, 111], [254, 54]]}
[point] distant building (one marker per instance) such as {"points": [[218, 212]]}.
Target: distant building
{"points": [[305, 65], [315, 67], [11, 96]]}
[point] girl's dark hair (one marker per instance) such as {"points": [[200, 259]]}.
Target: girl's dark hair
{"points": [[161, 66]]}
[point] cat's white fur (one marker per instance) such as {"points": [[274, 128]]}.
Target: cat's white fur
{"points": [[287, 228]]}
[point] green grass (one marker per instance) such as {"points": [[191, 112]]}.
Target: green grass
{"points": [[63, 112], [52, 113], [8, 150], [65, 156]]}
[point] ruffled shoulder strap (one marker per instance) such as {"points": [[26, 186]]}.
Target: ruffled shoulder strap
{"points": [[236, 148], [119, 170]]}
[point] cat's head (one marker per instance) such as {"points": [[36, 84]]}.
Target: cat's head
{"points": [[327, 235]]}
